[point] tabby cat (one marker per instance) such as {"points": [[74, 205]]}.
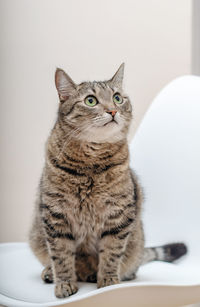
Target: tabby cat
{"points": [[87, 224]]}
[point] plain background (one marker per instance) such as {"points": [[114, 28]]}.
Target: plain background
{"points": [[89, 39]]}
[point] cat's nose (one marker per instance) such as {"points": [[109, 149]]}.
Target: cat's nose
{"points": [[112, 112]]}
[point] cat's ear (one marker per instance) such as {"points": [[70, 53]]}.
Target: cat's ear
{"points": [[64, 84], [117, 79]]}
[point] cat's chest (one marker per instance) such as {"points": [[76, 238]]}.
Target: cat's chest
{"points": [[89, 215], [87, 223], [89, 210]]}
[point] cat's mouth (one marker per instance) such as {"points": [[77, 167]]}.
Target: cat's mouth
{"points": [[111, 121]]}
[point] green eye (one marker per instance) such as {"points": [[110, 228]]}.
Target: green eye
{"points": [[117, 98], [91, 101]]}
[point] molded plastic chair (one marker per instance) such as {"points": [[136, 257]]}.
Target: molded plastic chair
{"points": [[166, 155]]}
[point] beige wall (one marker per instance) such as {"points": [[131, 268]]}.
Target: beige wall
{"points": [[89, 39], [196, 37]]}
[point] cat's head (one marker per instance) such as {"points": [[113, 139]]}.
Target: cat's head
{"points": [[94, 111]]}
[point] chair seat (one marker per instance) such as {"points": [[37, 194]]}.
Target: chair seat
{"points": [[21, 285]]}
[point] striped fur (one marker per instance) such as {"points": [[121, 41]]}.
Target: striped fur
{"points": [[87, 224]]}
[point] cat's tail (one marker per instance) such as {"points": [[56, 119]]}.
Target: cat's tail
{"points": [[167, 253]]}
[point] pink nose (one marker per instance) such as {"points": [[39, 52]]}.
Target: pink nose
{"points": [[112, 112]]}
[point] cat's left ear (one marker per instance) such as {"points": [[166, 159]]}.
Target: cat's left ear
{"points": [[64, 84], [117, 79]]}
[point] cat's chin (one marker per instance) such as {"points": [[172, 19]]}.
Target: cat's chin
{"points": [[109, 133], [112, 122]]}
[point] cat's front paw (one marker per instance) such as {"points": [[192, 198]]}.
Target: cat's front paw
{"points": [[107, 281], [65, 289]]}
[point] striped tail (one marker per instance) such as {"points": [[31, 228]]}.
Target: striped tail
{"points": [[167, 253]]}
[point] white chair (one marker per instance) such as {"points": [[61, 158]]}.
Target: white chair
{"points": [[166, 155]]}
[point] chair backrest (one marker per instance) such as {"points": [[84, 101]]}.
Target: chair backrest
{"points": [[165, 153]]}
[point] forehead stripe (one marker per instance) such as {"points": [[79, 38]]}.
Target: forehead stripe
{"points": [[94, 90]]}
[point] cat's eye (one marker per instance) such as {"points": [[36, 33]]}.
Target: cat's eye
{"points": [[117, 98], [91, 101]]}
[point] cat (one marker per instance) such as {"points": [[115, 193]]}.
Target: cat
{"points": [[87, 223]]}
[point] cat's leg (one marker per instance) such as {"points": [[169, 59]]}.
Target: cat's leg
{"points": [[133, 255], [37, 240], [61, 248], [64, 271], [111, 250]]}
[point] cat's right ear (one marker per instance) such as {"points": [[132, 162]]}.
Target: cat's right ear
{"points": [[64, 84]]}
